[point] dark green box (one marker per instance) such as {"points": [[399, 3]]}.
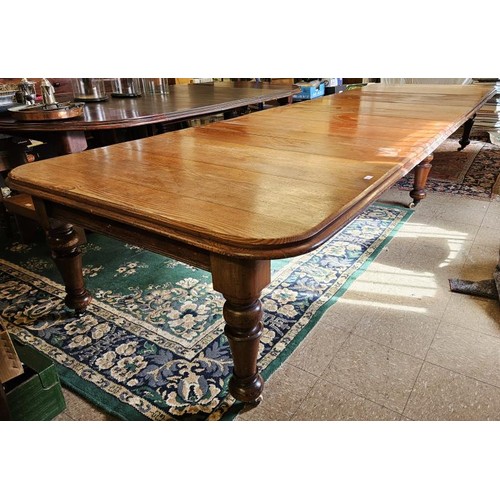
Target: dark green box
{"points": [[37, 393]]}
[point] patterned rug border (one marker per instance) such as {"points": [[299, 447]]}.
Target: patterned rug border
{"points": [[471, 186], [229, 408], [448, 152]]}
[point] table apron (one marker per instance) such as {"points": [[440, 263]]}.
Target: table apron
{"points": [[148, 240]]}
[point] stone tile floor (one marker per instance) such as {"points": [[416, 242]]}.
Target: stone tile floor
{"points": [[398, 345]]}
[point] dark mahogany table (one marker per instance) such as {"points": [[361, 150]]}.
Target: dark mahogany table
{"points": [[182, 103], [231, 196]]}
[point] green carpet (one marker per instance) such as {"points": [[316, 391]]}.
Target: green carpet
{"points": [[151, 345]]}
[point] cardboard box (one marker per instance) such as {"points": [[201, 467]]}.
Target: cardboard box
{"points": [[10, 364]]}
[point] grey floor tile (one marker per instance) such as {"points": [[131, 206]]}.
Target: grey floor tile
{"points": [[346, 312], [356, 305], [64, 416], [317, 350], [427, 229], [441, 394], [397, 249], [396, 195], [408, 332], [376, 372], [442, 249], [283, 394], [489, 236], [479, 314], [328, 401], [403, 289], [452, 201], [428, 255], [466, 351], [492, 217], [78, 408], [456, 211], [480, 262]]}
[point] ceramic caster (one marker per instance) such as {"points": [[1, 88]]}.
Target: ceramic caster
{"points": [[255, 403]]}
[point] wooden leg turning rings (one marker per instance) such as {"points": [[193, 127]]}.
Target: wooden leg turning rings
{"points": [[243, 329], [241, 282], [63, 241], [421, 173]]}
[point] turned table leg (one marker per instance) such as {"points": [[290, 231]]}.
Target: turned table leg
{"points": [[421, 172], [464, 141], [64, 244], [241, 282]]}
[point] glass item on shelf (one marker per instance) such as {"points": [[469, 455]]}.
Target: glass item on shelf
{"points": [[126, 87], [89, 89], [155, 85]]}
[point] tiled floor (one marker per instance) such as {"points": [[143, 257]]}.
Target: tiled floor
{"points": [[398, 345]]}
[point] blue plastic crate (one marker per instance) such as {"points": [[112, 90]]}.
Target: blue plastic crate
{"points": [[310, 92]]}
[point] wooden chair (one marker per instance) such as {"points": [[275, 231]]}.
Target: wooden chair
{"points": [[16, 151], [19, 206]]}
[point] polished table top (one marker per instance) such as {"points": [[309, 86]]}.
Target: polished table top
{"points": [[183, 102], [265, 185], [231, 196]]}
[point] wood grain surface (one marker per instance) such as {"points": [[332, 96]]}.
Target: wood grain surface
{"points": [[265, 185], [183, 102]]}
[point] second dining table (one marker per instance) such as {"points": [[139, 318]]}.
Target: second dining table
{"points": [[119, 114]]}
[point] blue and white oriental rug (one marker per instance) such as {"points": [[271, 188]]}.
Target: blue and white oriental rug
{"points": [[151, 344]]}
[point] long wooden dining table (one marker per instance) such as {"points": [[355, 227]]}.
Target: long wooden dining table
{"points": [[231, 196]]}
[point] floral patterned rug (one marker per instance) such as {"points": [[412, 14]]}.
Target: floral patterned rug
{"points": [[151, 345], [473, 172]]}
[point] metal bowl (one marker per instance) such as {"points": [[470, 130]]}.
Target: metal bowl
{"points": [[42, 112]]}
